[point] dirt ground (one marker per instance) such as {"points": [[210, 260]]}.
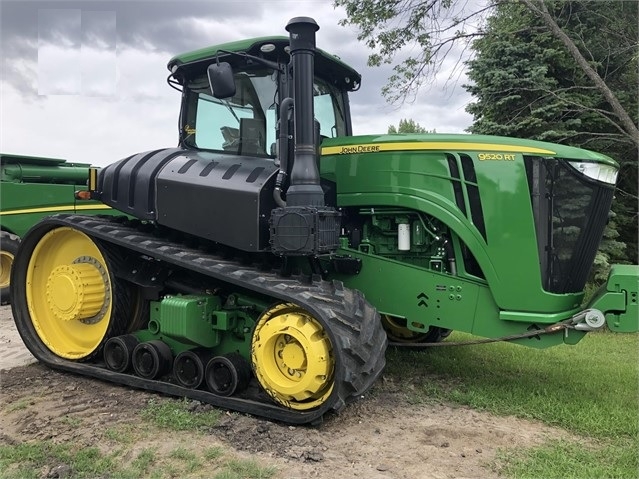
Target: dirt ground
{"points": [[381, 436]]}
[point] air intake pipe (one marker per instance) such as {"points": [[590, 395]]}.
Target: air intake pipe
{"points": [[304, 189]]}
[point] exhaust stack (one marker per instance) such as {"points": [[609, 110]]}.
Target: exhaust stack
{"points": [[304, 226], [305, 189]]}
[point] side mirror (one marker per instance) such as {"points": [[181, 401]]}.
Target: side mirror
{"points": [[221, 80]]}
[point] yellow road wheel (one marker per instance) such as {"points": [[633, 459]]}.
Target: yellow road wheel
{"points": [[69, 293], [292, 357]]}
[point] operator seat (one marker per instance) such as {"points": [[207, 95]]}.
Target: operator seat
{"points": [[252, 137]]}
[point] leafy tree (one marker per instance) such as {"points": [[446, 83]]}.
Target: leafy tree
{"points": [[428, 28], [431, 30], [408, 126], [527, 84]]}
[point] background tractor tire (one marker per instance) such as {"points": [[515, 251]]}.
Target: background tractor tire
{"points": [[8, 248]]}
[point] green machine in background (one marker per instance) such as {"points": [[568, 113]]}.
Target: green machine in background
{"points": [[30, 189], [269, 258]]}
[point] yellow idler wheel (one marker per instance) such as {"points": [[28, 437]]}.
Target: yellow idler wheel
{"points": [[68, 293], [292, 357]]}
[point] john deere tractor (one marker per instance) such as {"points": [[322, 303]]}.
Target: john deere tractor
{"points": [[272, 254], [30, 189]]}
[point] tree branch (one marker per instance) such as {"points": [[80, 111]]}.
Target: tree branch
{"points": [[539, 7]]}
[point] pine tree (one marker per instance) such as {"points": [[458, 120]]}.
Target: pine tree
{"points": [[527, 85]]}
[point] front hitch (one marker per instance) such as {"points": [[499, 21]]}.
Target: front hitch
{"points": [[618, 299]]}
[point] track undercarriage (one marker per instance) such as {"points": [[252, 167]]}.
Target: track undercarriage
{"points": [[305, 346]]}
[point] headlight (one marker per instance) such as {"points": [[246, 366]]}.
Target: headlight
{"points": [[597, 171]]}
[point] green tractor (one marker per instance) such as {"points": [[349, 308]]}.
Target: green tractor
{"points": [[30, 189], [267, 260]]}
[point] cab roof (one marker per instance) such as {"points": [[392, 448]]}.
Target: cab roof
{"points": [[327, 66]]}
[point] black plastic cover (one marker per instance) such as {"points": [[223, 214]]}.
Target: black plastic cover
{"points": [[223, 198]]}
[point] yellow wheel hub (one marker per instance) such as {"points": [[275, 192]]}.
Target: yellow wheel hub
{"points": [[75, 291], [6, 261], [68, 293], [292, 357]]}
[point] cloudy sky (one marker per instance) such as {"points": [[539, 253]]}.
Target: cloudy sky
{"points": [[86, 80]]}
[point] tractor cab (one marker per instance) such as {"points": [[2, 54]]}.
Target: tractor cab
{"points": [[246, 122]]}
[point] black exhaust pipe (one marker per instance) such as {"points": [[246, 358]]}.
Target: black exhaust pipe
{"points": [[305, 189], [304, 225]]}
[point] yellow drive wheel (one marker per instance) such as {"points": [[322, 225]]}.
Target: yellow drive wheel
{"points": [[292, 357], [69, 293]]}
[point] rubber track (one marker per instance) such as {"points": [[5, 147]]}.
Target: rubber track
{"points": [[351, 322]]}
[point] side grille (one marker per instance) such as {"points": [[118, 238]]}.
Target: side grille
{"points": [[467, 187]]}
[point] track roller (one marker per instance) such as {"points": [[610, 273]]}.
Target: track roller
{"points": [[227, 375], [152, 359], [118, 352], [189, 367]]}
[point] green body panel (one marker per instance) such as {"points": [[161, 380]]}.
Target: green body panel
{"points": [[32, 188], [193, 321], [420, 180], [396, 173], [186, 319], [462, 142], [618, 299], [427, 298]]}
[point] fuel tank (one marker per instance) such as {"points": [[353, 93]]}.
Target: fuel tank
{"points": [[223, 198]]}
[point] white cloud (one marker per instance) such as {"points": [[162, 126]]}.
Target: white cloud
{"points": [[100, 104], [98, 71], [141, 115], [59, 70]]}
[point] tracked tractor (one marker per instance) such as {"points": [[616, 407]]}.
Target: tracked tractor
{"points": [[272, 254], [31, 188]]}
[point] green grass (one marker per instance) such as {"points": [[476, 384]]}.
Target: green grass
{"points": [[71, 421], [27, 460], [175, 415], [591, 389], [144, 462], [573, 460], [245, 469], [36, 458], [121, 433], [18, 405], [213, 453], [190, 459], [34, 461]]}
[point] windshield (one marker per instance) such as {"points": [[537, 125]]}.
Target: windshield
{"points": [[245, 123]]}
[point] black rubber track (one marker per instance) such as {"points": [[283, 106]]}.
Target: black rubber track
{"points": [[353, 325]]}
